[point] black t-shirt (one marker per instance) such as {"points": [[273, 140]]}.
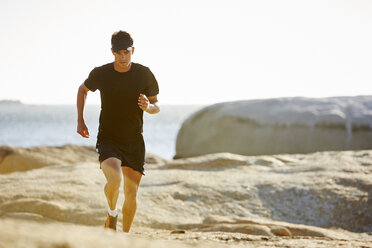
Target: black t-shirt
{"points": [[121, 118]]}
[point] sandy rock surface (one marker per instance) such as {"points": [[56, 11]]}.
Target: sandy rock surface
{"points": [[278, 125], [23, 159], [19, 234], [316, 200]]}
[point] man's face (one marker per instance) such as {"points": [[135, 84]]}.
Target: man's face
{"points": [[123, 57]]}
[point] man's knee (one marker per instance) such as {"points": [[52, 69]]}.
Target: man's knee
{"points": [[111, 167]]}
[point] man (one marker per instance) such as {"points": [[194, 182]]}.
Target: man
{"points": [[127, 89]]}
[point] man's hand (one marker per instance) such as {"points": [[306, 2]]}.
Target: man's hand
{"points": [[149, 104], [82, 129], [143, 102]]}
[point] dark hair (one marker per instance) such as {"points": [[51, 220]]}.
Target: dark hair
{"points": [[121, 36]]}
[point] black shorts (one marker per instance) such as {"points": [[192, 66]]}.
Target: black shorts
{"points": [[131, 153]]}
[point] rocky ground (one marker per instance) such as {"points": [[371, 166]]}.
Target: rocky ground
{"points": [[53, 197]]}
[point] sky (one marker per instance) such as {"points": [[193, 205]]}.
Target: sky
{"points": [[200, 51]]}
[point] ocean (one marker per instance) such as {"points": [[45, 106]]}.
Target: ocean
{"points": [[55, 125]]}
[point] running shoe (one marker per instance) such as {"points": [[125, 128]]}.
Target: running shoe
{"points": [[111, 222]]}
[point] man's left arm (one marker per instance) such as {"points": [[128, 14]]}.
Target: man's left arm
{"points": [[149, 104]]}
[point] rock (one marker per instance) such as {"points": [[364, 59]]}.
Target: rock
{"points": [[218, 161], [280, 231], [325, 189], [212, 219], [328, 189], [14, 159], [154, 159], [18, 234], [238, 228], [274, 126]]}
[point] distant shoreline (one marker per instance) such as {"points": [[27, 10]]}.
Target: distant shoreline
{"points": [[10, 102], [19, 103]]}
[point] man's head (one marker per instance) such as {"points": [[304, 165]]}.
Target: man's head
{"points": [[121, 40], [122, 48]]}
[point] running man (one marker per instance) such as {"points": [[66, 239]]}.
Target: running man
{"points": [[127, 90]]}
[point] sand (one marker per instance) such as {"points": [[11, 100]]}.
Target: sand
{"points": [[315, 200]]}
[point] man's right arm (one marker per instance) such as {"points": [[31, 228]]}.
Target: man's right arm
{"points": [[80, 103]]}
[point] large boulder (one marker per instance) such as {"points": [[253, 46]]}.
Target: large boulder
{"points": [[274, 126]]}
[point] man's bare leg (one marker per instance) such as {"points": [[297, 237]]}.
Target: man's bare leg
{"points": [[111, 169], [132, 180]]}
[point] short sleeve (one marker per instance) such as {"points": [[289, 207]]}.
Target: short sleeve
{"points": [[93, 81], [152, 87]]}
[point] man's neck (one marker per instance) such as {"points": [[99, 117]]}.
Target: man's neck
{"points": [[119, 68]]}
